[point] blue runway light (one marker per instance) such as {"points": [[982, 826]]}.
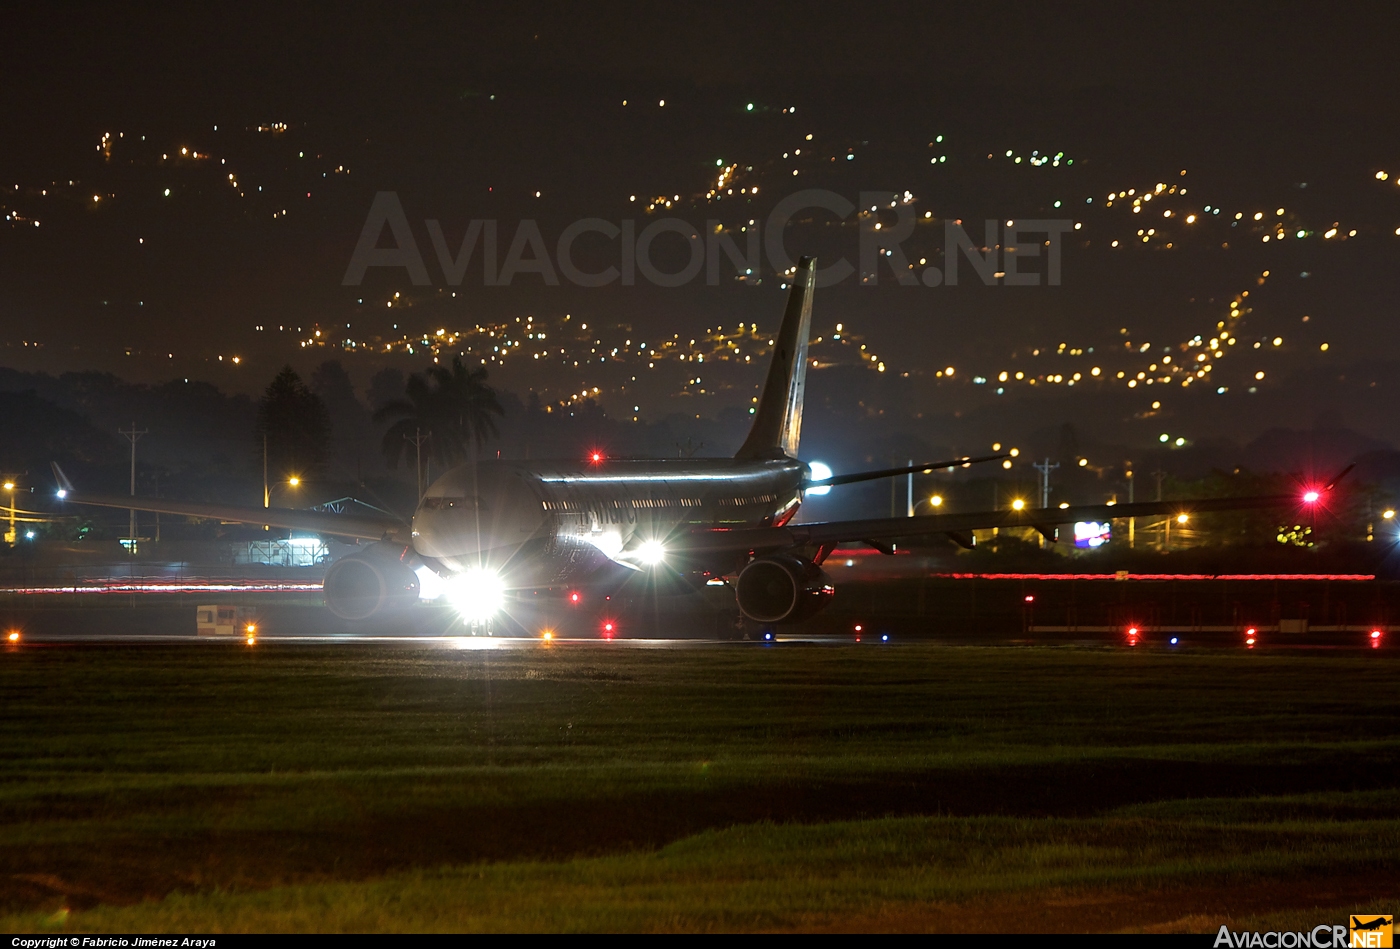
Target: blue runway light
{"points": [[1173, 640], [885, 638]]}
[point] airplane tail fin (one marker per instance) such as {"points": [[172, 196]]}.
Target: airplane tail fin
{"points": [[777, 423]]}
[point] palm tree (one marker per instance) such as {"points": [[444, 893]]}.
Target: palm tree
{"points": [[446, 410], [472, 400]]}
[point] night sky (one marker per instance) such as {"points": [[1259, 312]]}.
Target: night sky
{"points": [[977, 111]]}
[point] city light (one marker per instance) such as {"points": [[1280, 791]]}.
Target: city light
{"points": [[1018, 505]]}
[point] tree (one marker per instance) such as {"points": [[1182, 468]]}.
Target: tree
{"points": [[453, 409], [296, 426], [350, 426]]}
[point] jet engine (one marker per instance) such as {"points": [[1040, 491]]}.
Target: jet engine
{"points": [[361, 586], [782, 589]]}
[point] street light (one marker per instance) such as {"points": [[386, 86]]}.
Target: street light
{"points": [[935, 501], [1018, 505], [294, 481]]}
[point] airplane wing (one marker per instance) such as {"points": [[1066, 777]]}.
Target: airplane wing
{"points": [[769, 539], [319, 522]]}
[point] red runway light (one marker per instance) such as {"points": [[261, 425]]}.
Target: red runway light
{"points": [[1030, 598], [574, 597]]}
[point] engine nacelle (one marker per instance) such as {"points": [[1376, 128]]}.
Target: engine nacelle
{"points": [[782, 589], [359, 586]]}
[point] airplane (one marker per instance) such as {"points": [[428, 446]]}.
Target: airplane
{"points": [[489, 528]]}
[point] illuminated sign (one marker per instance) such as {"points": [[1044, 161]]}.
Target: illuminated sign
{"points": [[1090, 534]]}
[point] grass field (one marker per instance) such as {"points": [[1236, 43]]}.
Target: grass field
{"points": [[577, 787]]}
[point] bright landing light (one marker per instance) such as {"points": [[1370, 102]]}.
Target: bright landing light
{"points": [[820, 472], [651, 553], [476, 594]]}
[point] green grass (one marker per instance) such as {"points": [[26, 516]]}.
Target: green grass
{"points": [[577, 788]]}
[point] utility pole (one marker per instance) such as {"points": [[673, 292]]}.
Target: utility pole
{"points": [[132, 436], [996, 500], [1045, 468], [11, 536], [1159, 474], [909, 499], [1132, 521], [267, 494], [418, 439]]}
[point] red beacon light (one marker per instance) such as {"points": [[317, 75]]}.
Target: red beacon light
{"points": [[596, 457], [575, 597], [1311, 497]]}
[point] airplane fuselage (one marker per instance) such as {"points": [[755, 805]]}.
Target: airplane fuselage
{"points": [[542, 523]]}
